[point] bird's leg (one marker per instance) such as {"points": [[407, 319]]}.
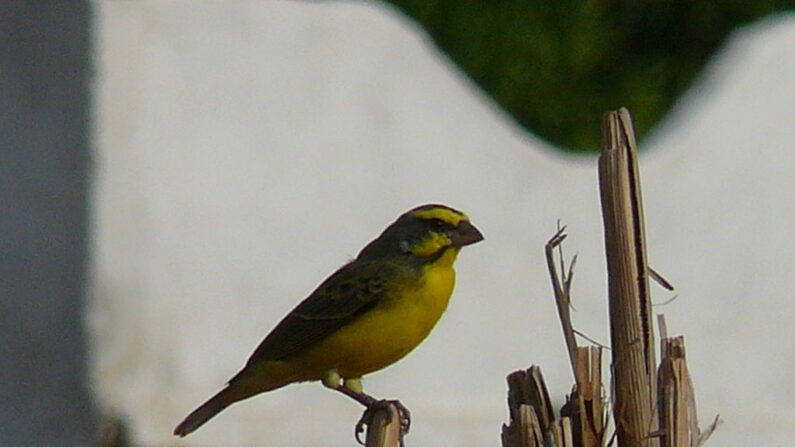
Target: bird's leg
{"points": [[331, 379], [354, 385], [353, 389]]}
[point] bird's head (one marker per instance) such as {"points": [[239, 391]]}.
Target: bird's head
{"points": [[425, 232]]}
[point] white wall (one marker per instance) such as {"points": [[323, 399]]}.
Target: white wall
{"points": [[247, 149]]}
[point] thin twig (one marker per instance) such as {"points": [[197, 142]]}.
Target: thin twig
{"points": [[666, 302], [663, 327], [702, 438], [603, 346], [562, 299], [659, 279]]}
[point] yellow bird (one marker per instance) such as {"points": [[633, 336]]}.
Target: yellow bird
{"points": [[367, 315]]}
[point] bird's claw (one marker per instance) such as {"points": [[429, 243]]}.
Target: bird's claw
{"points": [[384, 404]]}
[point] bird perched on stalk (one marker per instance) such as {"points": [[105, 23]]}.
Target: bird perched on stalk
{"points": [[365, 316]]}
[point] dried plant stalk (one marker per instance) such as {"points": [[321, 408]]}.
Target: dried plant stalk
{"points": [[561, 286], [384, 429], [631, 329], [531, 414], [638, 409], [678, 421], [585, 405], [677, 399], [560, 435]]}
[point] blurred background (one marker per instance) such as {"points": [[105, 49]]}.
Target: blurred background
{"points": [[177, 175]]}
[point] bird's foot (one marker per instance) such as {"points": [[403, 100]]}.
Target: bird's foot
{"points": [[374, 406], [352, 387]]}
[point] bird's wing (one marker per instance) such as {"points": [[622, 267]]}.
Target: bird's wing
{"points": [[349, 292]]}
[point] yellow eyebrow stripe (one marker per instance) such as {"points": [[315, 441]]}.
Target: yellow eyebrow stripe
{"points": [[444, 214]]}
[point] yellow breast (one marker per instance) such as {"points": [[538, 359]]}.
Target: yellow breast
{"points": [[390, 330]]}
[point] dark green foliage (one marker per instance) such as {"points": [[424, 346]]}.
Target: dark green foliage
{"points": [[557, 66]]}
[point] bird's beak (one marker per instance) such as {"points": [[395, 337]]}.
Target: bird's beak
{"points": [[465, 234]]}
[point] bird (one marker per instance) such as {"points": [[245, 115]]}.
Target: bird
{"points": [[367, 315]]}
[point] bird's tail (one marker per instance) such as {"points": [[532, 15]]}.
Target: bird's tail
{"points": [[207, 410]]}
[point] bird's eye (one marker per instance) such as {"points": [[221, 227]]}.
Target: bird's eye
{"points": [[438, 224]]}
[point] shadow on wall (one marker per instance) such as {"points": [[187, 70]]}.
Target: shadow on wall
{"points": [[44, 163]]}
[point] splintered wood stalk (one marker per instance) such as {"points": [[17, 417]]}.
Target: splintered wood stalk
{"points": [[384, 429], [584, 409], [640, 416], [677, 404], [560, 433], [677, 399], [585, 405], [531, 413], [631, 329]]}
